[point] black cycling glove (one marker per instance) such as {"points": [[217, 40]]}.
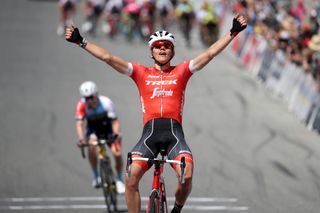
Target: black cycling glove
{"points": [[77, 38], [236, 27]]}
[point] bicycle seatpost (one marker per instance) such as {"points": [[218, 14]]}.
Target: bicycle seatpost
{"points": [[163, 153]]}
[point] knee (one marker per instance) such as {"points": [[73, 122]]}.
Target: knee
{"points": [[117, 155], [187, 186], [188, 179], [132, 183]]}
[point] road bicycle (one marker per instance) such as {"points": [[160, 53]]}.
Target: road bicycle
{"points": [[157, 202], [108, 181]]}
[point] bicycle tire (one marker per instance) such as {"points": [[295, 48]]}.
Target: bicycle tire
{"points": [[153, 202], [108, 185], [162, 208]]}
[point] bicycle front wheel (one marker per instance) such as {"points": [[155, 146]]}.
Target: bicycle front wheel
{"points": [[108, 185], [153, 203]]}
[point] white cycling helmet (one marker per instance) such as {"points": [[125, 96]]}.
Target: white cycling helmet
{"points": [[88, 88], [162, 35]]}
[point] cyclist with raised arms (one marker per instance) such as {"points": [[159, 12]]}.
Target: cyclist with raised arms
{"points": [[162, 88], [96, 119]]}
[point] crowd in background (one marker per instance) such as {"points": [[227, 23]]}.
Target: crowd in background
{"points": [[281, 46], [141, 18], [291, 29], [288, 26]]}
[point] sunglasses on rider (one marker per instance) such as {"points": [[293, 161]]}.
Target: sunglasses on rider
{"points": [[165, 44], [90, 98]]}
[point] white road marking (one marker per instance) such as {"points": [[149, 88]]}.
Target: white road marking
{"points": [[65, 199], [194, 203]]}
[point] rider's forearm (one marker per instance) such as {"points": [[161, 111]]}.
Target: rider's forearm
{"points": [[204, 58], [79, 129], [116, 127], [220, 45], [73, 35], [239, 23], [104, 55]]}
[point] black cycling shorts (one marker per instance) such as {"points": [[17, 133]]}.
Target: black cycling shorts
{"points": [[162, 133], [103, 130]]}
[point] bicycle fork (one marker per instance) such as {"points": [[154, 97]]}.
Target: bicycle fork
{"points": [[158, 186]]}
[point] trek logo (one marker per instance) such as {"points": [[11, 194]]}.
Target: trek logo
{"points": [[161, 93], [158, 83]]}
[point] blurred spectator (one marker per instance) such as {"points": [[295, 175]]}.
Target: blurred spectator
{"points": [[314, 22], [314, 67], [283, 40], [299, 10], [294, 53], [291, 26], [314, 44]]}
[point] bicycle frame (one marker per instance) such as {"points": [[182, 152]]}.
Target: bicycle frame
{"points": [[158, 184], [100, 144], [106, 173]]}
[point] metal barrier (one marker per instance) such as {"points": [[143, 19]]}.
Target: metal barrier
{"points": [[283, 78]]}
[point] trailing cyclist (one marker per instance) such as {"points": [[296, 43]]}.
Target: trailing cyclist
{"points": [[185, 15], [147, 18], [131, 19], [93, 12], [67, 9], [96, 119], [162, 91], [208, 22], [112, 24], [165, 12]]}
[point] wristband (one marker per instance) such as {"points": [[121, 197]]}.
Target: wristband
{"points": [[83, 43], [233, 34]]}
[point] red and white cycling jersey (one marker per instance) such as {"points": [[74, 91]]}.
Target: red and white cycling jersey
{"points": [[104, 110], [161, 92]]}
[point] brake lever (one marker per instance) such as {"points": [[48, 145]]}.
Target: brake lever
{"points": [[83, 152], [129, 162]]}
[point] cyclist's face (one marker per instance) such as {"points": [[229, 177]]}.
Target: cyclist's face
{"points": [[92, 101], [162, 50]]}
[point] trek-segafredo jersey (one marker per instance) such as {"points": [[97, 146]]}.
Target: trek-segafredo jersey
{"points": [[162, 92]]}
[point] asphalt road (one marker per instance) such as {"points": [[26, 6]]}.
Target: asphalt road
{"points": [[251, 154]]}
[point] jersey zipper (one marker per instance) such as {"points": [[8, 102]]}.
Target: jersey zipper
{"points": [[161, 97]]}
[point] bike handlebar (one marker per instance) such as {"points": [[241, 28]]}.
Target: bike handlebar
{"points": [[99, 142], [181, 162]]}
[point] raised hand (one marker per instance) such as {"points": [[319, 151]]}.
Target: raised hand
{"points": [[73, 35], [239, 23]]}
